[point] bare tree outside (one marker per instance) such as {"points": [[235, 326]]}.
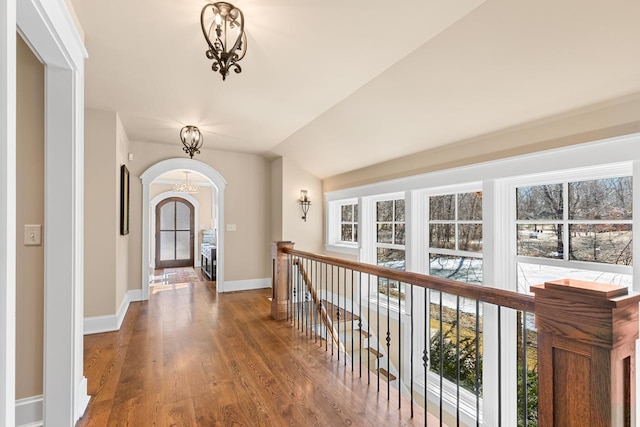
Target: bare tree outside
{"points": [[598, 220]]}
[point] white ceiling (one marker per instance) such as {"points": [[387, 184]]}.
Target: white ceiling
{"points": [[339, 85]]}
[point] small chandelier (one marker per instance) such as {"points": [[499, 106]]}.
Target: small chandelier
{"points": [[191, 139], [186, 186], [225, 37]]}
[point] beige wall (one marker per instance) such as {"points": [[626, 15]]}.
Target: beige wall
{"points": [[276, 199], [122, 242], [106, 251], [29, 210], [247, 204], [287, 181], [596, 122]]}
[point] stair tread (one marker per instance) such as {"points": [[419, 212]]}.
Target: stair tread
{"points": [[374, 352], [386, 374], [332, 311], [363, 333]]}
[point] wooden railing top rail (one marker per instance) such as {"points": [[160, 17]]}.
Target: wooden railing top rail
{"points": [[495, 296]]}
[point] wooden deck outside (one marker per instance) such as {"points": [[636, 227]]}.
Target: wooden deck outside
{"points": [[190, 357]]}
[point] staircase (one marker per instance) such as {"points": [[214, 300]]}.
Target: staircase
{"points": [[349, 331]]}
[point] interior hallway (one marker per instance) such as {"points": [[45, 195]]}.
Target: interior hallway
{"points": [[191, 357]]}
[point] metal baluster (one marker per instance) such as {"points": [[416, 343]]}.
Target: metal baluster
{"points": [[425, 353], [326, 300], [525, 384], [458, 360], [399, 346], [378, 330], [332, 308], [306, 297], [388, 340], [352, 319], [346, 318], [338, 313], [314, 303], [360, 320], [411, 352], [289, 290], [441, 367], [368, 327], [477, 367], [499, 367]]}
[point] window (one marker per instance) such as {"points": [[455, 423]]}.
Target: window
{"points": [[390, 243], [349, 223], [577, 228], [455, 236], [454, 252]]}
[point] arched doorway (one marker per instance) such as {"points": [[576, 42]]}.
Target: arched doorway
{"points": [[148, 215], [175, 233]]}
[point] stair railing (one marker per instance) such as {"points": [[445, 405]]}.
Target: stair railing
{"points": [[584, 337]]}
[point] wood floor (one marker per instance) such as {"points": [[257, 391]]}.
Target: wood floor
{"points": [[190, 357]]}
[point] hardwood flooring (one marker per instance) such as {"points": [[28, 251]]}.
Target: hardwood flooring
{"points": [[190, 357]]}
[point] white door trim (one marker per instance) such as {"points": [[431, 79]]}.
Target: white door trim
{"points": [[48, 29], [153, 173]]}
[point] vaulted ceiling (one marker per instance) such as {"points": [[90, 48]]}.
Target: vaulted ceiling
{"points": [[340, 85]]}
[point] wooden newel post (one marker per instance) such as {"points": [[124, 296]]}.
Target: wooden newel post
{"points": [[586, 354], [280, 291]]}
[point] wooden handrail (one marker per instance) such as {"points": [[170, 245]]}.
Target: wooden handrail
{"points": [[495, 296], [321, 307]]}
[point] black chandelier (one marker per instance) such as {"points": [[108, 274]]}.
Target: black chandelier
{"points": [[225, 37], [191, 139]]}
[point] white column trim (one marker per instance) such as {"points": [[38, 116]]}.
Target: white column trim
{"points": [[48, 29], [7, 211], [150, 175]]}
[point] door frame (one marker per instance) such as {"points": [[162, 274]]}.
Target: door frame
{"points": [[49, 30], [153, 173], [192, 231], [196, 219]]}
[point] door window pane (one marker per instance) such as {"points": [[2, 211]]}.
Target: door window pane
{"points": [[183, 216], [167, 245], [167, 216], [183, 244]]}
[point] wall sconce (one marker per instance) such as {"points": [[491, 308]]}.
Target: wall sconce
{"points": [[304, 204]]}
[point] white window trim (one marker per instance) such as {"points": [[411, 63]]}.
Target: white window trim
{"points": [[333, 242]]}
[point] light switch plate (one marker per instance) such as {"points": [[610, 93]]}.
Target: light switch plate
{"points": [[231, 227], [32, 235]]}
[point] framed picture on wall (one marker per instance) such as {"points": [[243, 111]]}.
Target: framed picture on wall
{"points": [[124, 200]]}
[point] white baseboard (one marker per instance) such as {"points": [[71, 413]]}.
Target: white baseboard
{"points": [[30, 412], [246, 285], [111, 322]]}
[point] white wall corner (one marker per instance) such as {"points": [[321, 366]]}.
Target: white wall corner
{"points": [[246, 285], [29, 412], [111, 322]]}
